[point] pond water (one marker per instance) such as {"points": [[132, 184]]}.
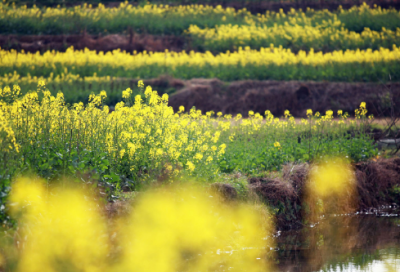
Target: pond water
{"points": [[362, 242]]}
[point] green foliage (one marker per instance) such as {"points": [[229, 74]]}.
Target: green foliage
{"points": [[256, 153]]}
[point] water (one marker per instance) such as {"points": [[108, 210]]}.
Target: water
{"points": [[362, 242]]}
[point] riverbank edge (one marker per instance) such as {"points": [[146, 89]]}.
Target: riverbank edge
{"points": [[377, 184]]}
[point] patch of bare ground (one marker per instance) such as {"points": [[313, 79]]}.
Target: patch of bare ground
{"points": [[130, 43], [278, 96]]}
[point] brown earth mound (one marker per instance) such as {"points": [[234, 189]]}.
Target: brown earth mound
{"points": [[226, 191], [129, 43], [375, 183], [284, 195], [278, 96]]}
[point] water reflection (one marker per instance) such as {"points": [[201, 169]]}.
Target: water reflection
{"points": [[342, 243], [382, 260]]}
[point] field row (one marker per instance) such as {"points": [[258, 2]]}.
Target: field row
{"points": [[267, 63], [175, 2], [230, 37], [159, 19]]}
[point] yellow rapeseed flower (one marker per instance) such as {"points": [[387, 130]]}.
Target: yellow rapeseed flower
{"points": [[127, 93], [41, 83], [190, 166]]}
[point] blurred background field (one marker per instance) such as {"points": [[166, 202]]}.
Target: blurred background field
{"points": [[198, 28], [132, 41], [174, 20]]}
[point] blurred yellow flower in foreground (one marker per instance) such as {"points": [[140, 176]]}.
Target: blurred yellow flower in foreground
{"points": [[332, 176], [62, 229], [186, 230], [170, 229]]}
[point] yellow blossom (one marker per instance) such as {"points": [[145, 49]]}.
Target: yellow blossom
{"points": [[277, 145], [190, 166]]}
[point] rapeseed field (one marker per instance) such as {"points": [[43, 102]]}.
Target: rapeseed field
{"points": [[77, 137], [245, 63]]}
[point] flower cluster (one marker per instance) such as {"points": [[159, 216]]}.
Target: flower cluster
{"points": [[133, 139], [361, 111]]}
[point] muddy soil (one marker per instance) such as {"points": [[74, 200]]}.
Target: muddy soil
{"points": [[130, 43], [278, 96]]}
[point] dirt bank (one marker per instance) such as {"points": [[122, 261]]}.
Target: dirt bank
{"points": [[374, 188], [278, 96], [131, 42]]}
